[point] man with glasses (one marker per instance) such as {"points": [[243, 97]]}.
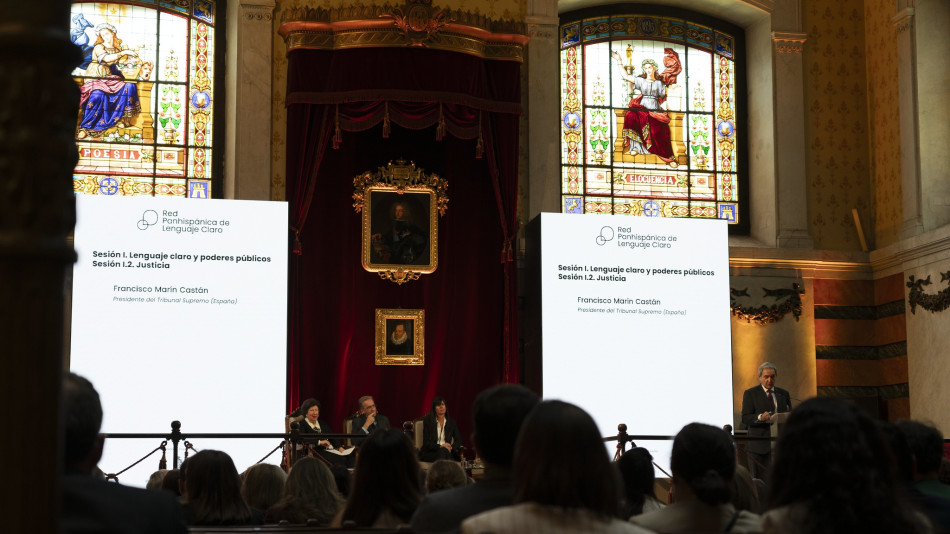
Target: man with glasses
{"points": [[759, 406], [369, 419]]}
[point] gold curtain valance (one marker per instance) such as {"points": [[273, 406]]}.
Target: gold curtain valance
{"points": [[415, 23]]}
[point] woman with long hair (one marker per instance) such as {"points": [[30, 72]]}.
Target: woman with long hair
{"points": [[262, 485], [441, 439], [310, 493], [563, 480], [212, 491], [834, 472], [703, 462], [386, 482]]}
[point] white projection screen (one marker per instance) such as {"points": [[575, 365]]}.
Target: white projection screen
{"points": [[635, 322], [179, 312]]}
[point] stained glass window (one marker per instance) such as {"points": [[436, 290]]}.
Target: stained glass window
{"points": [[146, 80], [649, 118]]}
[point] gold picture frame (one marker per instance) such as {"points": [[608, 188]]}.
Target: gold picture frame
{"points": [[400, 205], [393, 325]]}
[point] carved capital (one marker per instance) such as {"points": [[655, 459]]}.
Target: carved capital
{"points": [[261, 13], [904, 19], [542, 31], [789, 42]]}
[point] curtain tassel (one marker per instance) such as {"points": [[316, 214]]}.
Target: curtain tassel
{"points": [[337, 134], [508, 251], [298, 246], [480, 146], [386, 125], [440, 129]]}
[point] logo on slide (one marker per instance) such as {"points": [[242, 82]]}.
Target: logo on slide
{"points": [[606, 234], [149, 217]]}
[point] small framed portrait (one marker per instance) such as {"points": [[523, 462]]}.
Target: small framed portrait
{"points": [[400, 337]]}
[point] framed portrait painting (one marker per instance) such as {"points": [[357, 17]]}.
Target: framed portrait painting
{"points": [[400, 206], [400, 337]]}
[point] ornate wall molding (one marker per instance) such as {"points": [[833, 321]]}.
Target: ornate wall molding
{"points": [[936, 302], [790, 301], [415, 23], [789, 42]]}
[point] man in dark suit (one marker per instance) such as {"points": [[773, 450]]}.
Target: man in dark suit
{"points": [[759, 405], [91, 505], [497, 415], [369, 419]]}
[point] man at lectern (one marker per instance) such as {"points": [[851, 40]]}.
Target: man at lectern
{"points": [[759, 406]]}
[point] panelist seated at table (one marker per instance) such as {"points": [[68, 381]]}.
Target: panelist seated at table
{"points": [[368, 419], [312, 424], [441, 439]]}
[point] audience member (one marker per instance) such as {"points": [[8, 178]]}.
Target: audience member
{"points": [[703, 462], [171, 482], [445, 474], [343, 478], [386, 486], [212, 491], [745, 491], [156, 479], [935, 508], [497, 415], [926, 444], [639, 477], [369, 419], [834, 473], [563, 479], [262, 485], [310, 494], [90, 505], [440, 434]]}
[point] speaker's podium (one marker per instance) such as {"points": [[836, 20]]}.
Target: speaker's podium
{"points": [[778, 423]]}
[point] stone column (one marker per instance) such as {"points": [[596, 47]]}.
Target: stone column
{"points": [[247, 167], [543, 101], [913, 223], [38, 102], [792, 205]]}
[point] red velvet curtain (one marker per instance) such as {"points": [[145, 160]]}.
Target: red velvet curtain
{"points": [[454, 115]]}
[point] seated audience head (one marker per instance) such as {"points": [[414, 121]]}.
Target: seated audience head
{"points": [[170, 482], [386, 478], [212, 489], [638, 475], [833, 467], [156, 479], [445, 474], [310, 493], [703, 462], [497, 415], [343, 478], [560, 460], [263, 485], [745, 492], [926, 444], [83, 419]]}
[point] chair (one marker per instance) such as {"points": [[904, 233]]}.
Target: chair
{"points": [[417, 433], [289, 447], [348, 429]]}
